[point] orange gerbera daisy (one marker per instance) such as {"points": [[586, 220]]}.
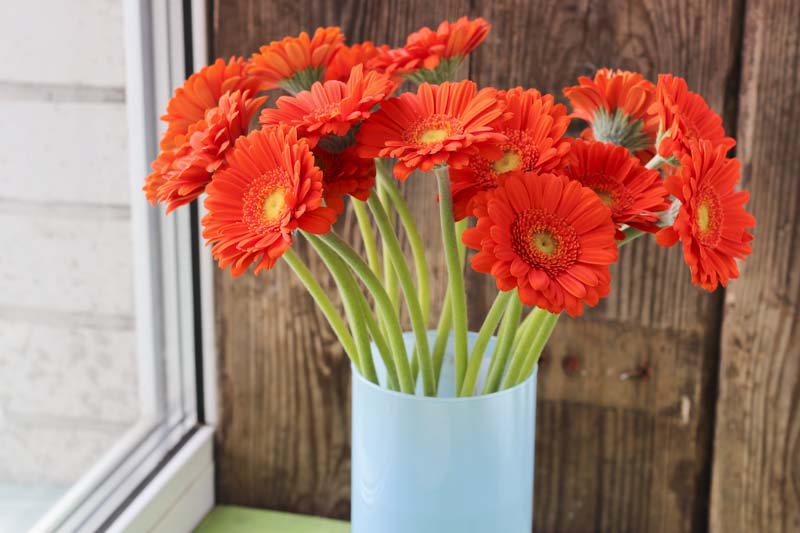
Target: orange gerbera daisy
{"points": [[162, 168], [534, 126], [440, 124], [269, 188], [295, 63], [200, 93], [616, 104], [633, 193], [434, 56], [204, 154], [331, 108], [344, 174], [685, 117], [347, 57], [548, 237], [711, 224]]}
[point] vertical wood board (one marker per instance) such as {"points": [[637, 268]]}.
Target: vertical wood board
{"points": [[756, 482]]}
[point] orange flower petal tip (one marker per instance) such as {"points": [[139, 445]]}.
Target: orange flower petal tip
{"points": [[347, 57]]}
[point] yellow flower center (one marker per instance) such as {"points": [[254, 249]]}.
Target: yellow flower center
{"points": [[708, 218], [432, 130], [605, 197], [510, 161], [266, 202], [274, 205], [703, 217], [544, 242], [612, 193], [433, 136]]}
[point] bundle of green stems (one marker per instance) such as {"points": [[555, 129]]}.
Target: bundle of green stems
{"points": [[374, 316]]}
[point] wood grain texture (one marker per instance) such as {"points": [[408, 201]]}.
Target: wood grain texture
{"points": [[613, 454], [756, 482]]}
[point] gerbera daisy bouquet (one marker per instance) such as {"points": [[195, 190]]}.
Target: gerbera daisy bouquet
{"points": [[544, 213]]}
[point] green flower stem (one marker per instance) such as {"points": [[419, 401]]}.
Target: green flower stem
{"points": [[383, 347], [354, 308], [442, 335], [446, 317], [542, 336], [631, 234], [389, 275], [388, 188], [455, 271], [391, 282], [526, 324], [389, 315], [489, 325], [504, 325], [414, 238], [414, 365], [525, 338], [461, 225], [367, 235], [324, 303], [302, 80], [505, 341], [418, 323], [656, 162]]}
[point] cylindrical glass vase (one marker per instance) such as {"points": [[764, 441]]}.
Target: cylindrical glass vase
{"points": [[443, 464]]}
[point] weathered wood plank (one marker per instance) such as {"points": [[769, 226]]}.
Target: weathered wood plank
{"points": [[756, 481], [612, 454]]}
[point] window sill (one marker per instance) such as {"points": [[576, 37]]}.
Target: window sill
{"points": [[233, 519], [180, 494]]}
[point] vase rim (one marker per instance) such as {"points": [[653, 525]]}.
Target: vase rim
{"points": [[435, 399]]}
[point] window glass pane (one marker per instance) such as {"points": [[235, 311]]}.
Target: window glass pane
{"points": [[68, 359]]}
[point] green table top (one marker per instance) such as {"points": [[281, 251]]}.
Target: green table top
{"points": [[233, 519]]}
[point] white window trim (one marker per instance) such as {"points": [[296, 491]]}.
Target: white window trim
{"points": [[178, 490], [200, 48], [182, 492], [178, 498]]}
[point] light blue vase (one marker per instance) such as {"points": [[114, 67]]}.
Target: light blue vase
{"points": [[445, 464]]}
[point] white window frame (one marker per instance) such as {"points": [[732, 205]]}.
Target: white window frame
{"points": [[160, 475]]}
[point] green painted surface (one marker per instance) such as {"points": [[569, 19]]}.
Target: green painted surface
{"points": [[232, 519]]}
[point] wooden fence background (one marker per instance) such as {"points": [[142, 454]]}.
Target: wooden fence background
{"points": [[709, 437]]}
